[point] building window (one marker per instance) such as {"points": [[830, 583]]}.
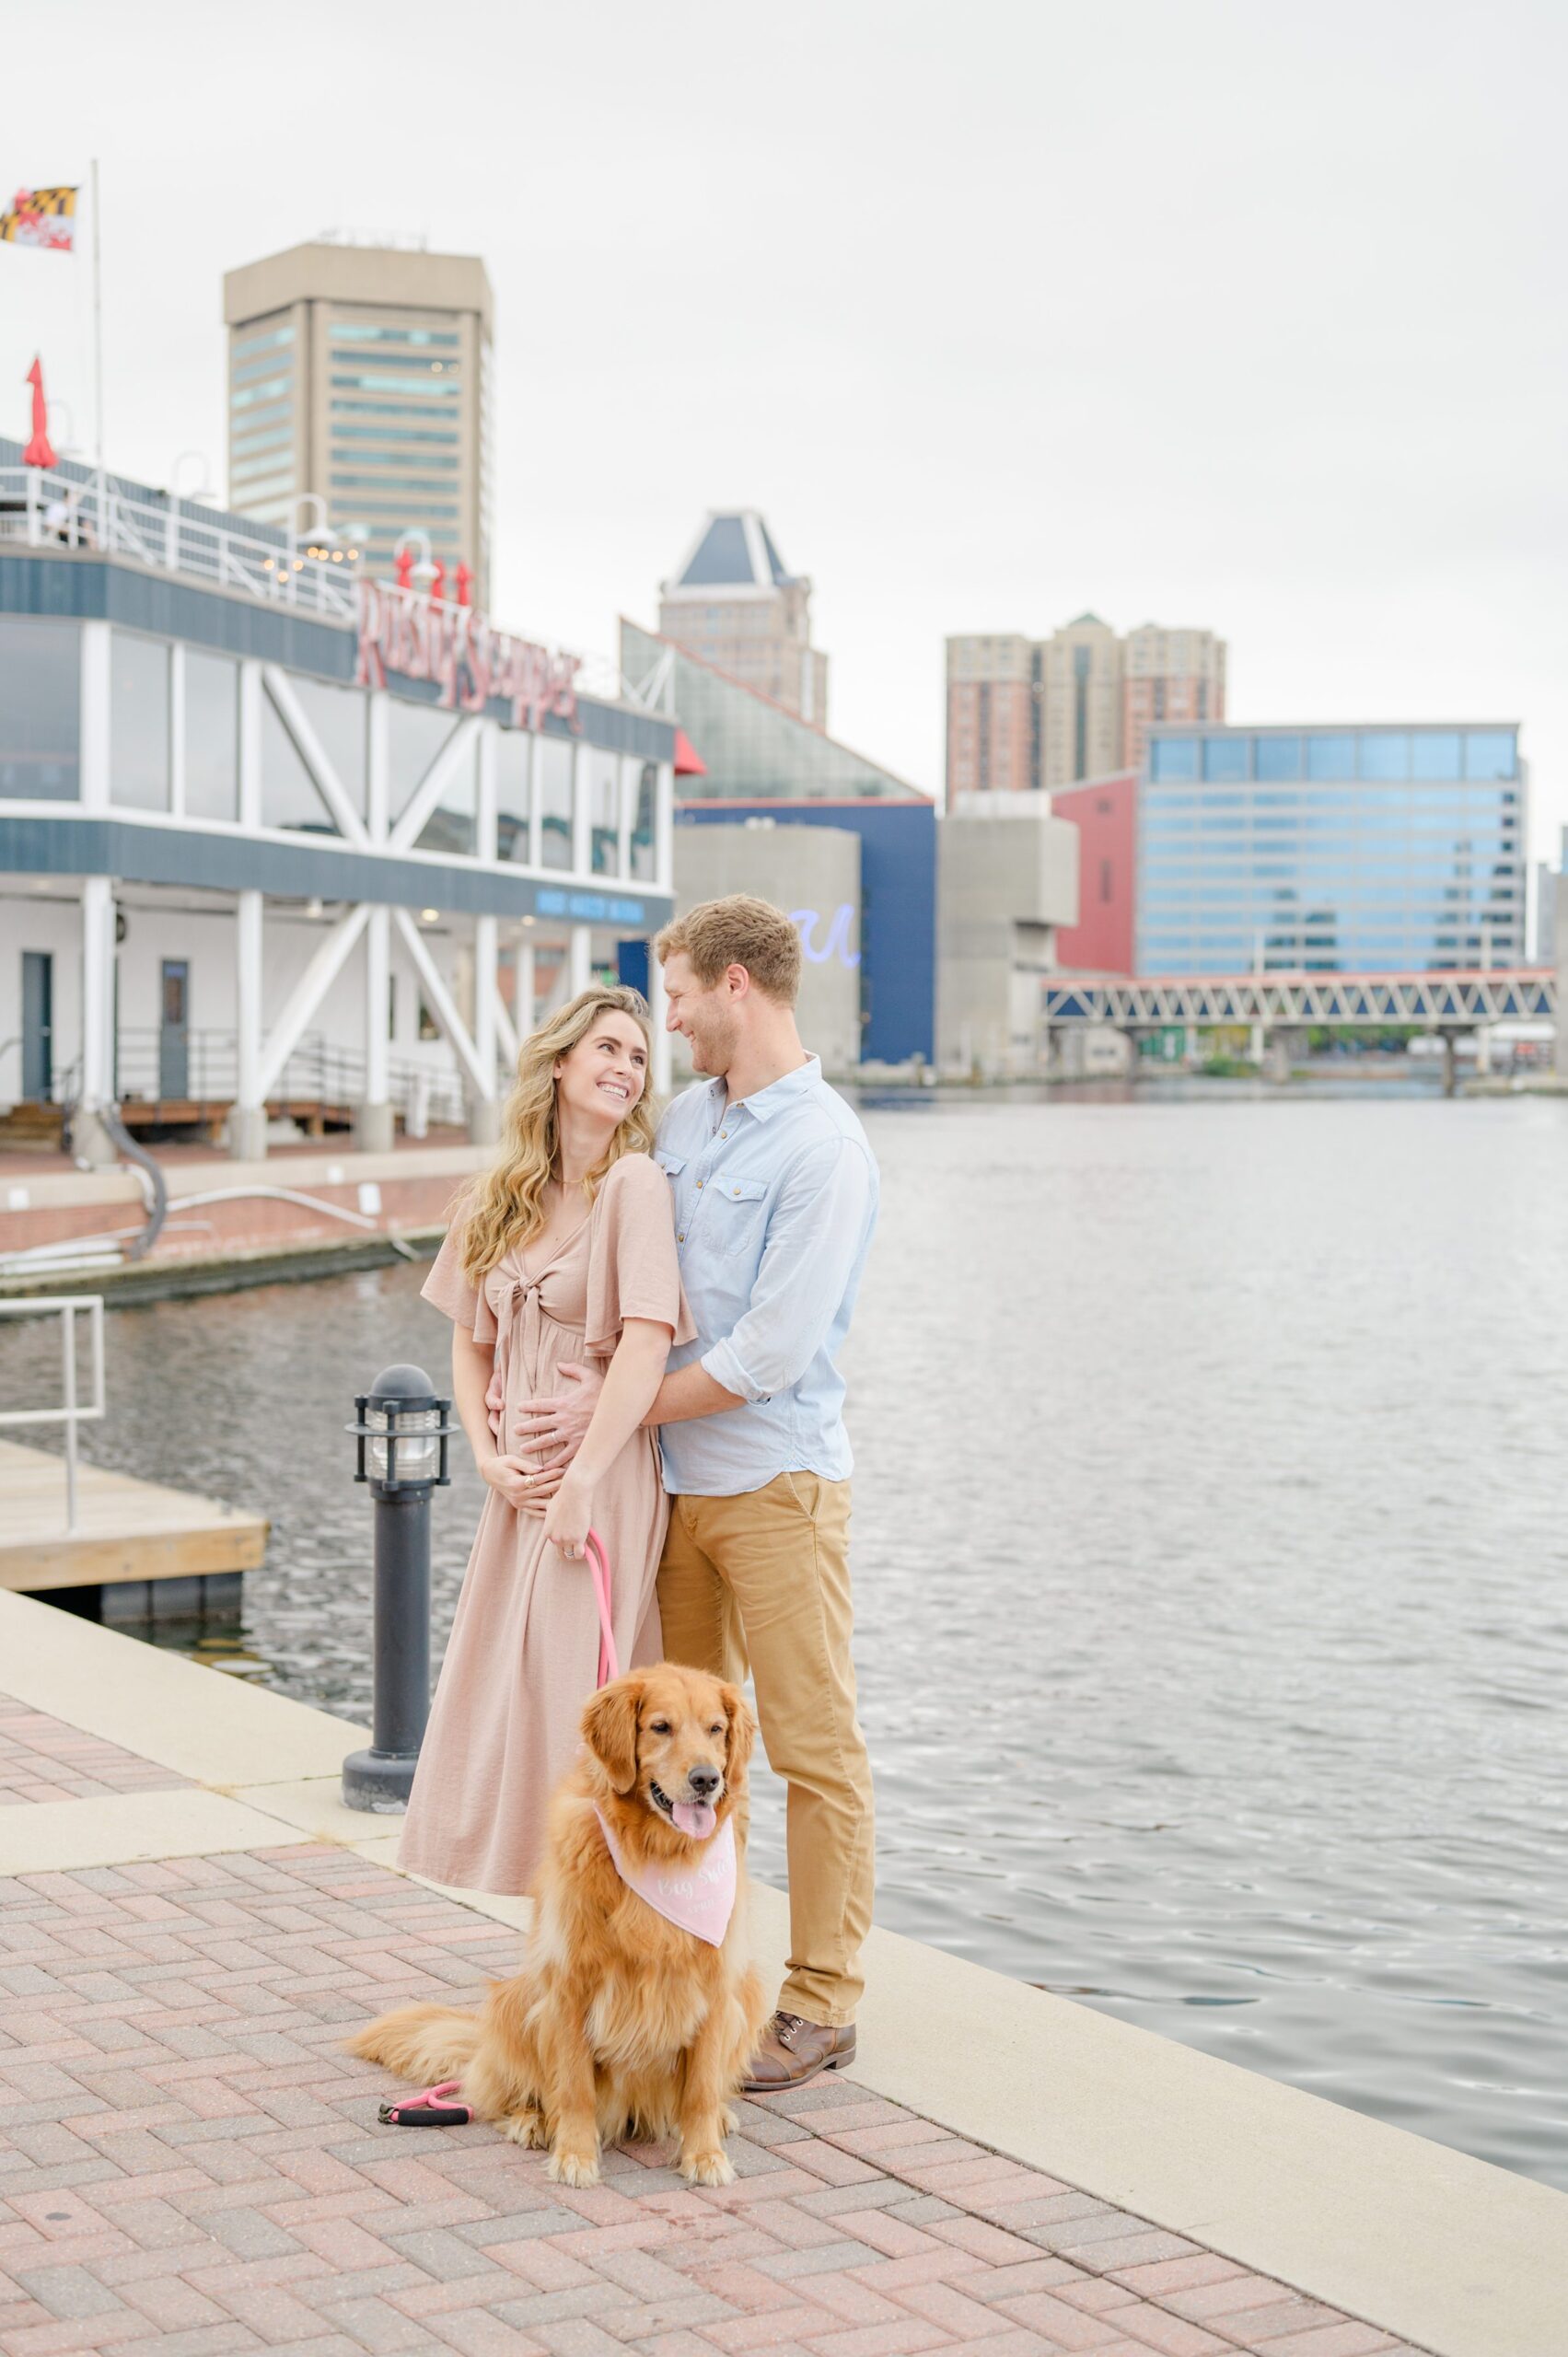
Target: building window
{"points": [[1490, 753], [1173, 759], [39, 710], [138, 735], [1330, 756], [555, 803], [1275, 759], [514, 792], [267, 343], [212, 736]]}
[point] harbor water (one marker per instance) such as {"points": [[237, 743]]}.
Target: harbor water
{"points": [[1211, 1557]]}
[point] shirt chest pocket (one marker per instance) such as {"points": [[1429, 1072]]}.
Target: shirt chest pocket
{"points": [[737, 1213]]}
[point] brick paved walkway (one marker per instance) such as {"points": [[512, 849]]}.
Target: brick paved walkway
{"points": [[189, 2168], [43, 1759]]}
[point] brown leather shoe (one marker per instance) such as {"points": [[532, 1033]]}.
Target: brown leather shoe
{"points": [[793, 2050]]}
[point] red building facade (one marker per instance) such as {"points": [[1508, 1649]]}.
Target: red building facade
{"points": [[1105, 811]]}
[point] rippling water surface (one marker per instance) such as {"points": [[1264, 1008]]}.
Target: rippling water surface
{"points": [[1211, 1562]]}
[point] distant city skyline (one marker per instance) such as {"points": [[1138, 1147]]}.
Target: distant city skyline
{"points": [[1291, 375]]}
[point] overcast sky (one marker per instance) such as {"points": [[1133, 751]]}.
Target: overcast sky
{"points": [[1221, 312]]}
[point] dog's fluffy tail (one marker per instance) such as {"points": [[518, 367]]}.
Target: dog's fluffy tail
{"points": [[425, 2043]]}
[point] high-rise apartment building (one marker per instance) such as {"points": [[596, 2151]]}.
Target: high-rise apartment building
{"points": [[992, 716], [1174, 677], [360, 374], [732, 605], [1033, 714]]}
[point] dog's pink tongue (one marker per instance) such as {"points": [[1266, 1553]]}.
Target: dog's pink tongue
{"points": [[695, 1817]]}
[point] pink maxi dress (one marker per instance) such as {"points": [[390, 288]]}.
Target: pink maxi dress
{"points": [[523, 1655]]}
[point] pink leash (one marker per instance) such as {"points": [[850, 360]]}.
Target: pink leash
{"points": [[433, 2106], [609, 1659]]}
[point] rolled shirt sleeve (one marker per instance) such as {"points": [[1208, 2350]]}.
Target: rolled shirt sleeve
{"points": [[815, 1238]]}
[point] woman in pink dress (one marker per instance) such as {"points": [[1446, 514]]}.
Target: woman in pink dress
{"points": [[562, 1254]]}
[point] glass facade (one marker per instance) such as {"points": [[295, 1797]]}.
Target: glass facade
{"points": [[1332, 849], [138, 736], [212, 736], [40, 701], [753, 749], [555, 803]]}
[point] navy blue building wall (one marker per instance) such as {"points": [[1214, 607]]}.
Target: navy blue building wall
{"points": [[898, 913]]}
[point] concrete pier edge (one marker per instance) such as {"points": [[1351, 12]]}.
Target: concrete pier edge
{"points": [[1461, 2258]]}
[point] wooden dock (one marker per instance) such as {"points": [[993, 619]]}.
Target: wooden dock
{"points": [[125, 1529]]}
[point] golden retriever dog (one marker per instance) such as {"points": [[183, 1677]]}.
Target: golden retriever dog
{"points": [[622, 2022]]}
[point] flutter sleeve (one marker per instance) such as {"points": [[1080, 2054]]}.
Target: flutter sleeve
{"points": [[633, 1268], [449, 1289]]}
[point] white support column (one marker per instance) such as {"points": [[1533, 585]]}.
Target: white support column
{"points": [[485, 1112], [177, 728], [248, 1115], [580, 960], [92, 1142], [373, 1120], [658, 1006], [582, 812], [536, 800]]}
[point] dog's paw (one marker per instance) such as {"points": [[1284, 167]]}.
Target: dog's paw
{"points": [[707, 2168], [525, 2127], [573, 2168]]}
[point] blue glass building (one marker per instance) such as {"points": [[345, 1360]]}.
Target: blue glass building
{"points": [[1332, 850]]}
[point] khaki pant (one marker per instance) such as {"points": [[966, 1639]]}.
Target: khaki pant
{"points": [[764, 1577]]}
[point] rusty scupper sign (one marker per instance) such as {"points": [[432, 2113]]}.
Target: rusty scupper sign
{"points": [[421, 637]]}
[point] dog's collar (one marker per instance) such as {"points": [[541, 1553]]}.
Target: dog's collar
{"points": [[699, 1895]]}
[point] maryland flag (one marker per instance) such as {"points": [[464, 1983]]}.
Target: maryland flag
{"points": [[41, 216]]}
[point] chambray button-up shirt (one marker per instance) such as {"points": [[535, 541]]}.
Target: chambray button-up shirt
{"points": [[775, 1201]]}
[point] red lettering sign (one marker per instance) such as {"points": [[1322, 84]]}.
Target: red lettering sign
{"points": [[421, 637]]}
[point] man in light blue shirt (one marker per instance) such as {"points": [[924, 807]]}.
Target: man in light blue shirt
{"points": [[774, 1195], [775, 1201]]}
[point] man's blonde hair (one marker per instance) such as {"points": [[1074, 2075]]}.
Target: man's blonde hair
{"points": [[738, 931]]}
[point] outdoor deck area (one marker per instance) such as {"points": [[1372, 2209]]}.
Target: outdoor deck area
{"points": [[126, 1530], [192, 1919]]}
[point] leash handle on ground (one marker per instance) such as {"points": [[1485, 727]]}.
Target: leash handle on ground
{"points": [[432, 2108], [598, 1563]]}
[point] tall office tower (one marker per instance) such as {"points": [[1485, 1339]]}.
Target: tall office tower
{"points": [[1168, 675], [992, 716], [1081, 676], [732, 605], [360, 374], [1034, 714]]}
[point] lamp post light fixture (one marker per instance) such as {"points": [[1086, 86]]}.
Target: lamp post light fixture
{"points": [[402, 1429]]}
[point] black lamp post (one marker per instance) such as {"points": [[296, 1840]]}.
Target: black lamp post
{"points": [[402, 1430]]}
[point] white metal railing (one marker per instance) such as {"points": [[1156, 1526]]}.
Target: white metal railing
{"points": [[70, 1411], [46, 509]]}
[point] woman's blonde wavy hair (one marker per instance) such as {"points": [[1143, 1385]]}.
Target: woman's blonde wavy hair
{"points": [[507, 1206]]}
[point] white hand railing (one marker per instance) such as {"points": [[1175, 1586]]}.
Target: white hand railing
{"points": [[46, 509], [70, 1411]]}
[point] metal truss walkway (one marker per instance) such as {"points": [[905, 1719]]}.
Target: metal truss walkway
{"points": [[1434, 1002]]}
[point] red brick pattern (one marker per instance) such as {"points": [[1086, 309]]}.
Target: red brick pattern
{"points": [[44, 1759], [189, 2168]]}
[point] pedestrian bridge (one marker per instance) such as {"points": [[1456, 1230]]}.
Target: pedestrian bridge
{"points": [[1431, 1002]]}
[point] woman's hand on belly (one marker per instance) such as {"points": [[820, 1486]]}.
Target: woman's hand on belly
{"points": [[496, 1402]]}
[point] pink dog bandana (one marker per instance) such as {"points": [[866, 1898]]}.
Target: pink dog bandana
{"points": [[700, 1897]]}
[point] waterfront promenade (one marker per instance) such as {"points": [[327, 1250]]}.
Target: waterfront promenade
{"points": [[190, 1918]]}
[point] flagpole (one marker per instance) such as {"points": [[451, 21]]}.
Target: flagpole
{"points": [[97, 367]]}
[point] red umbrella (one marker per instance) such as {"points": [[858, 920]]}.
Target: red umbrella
{"points": [[40, 451]]}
